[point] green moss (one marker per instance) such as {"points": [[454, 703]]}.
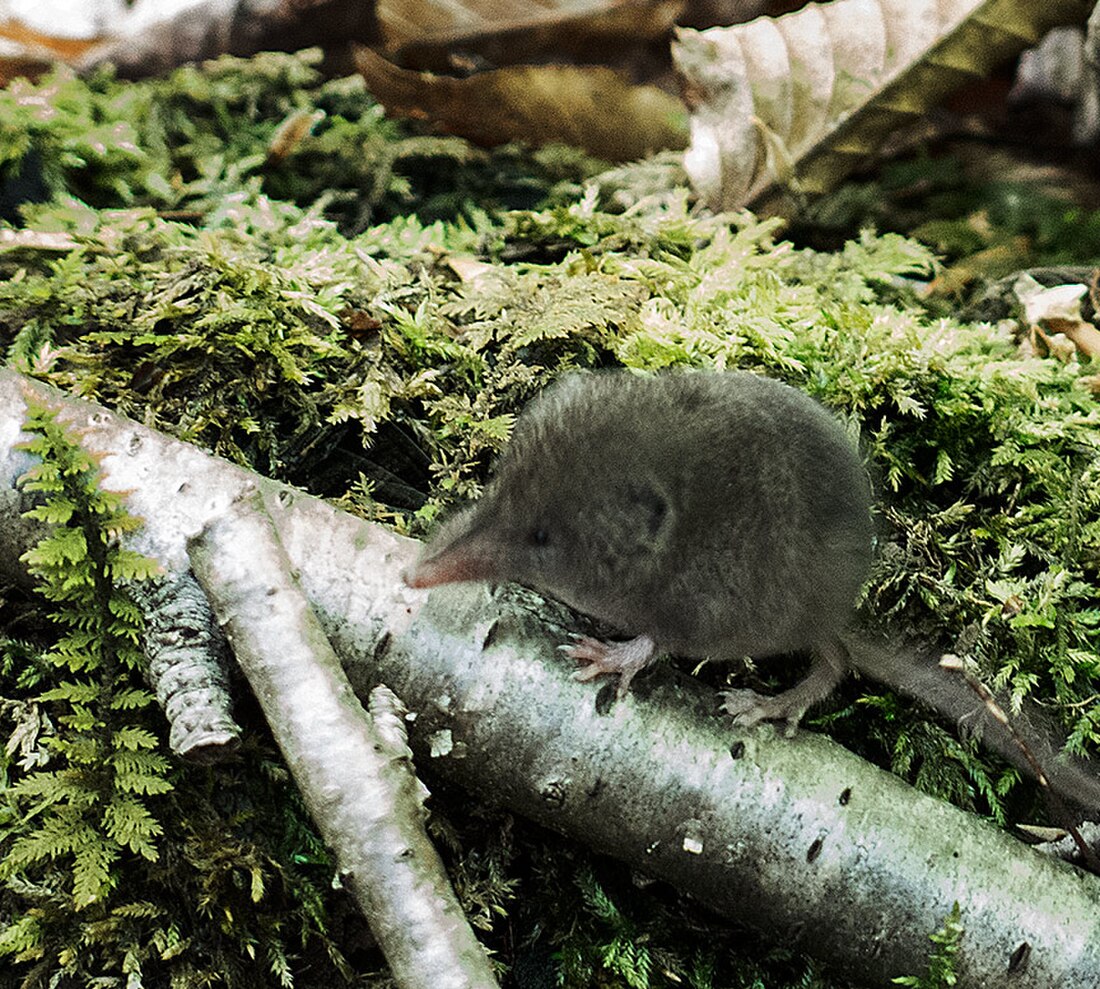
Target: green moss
{"points": [[186, 142], [941, 966], [986, 210]]}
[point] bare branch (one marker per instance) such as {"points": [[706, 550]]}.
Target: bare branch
{"points": [[998, 714], [356, 782]]}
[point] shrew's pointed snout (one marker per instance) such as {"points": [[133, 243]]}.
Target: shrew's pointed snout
{"points": [[435, 570], [470, 558]]}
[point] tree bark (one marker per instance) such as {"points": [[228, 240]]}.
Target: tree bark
{"points": [[356, 780], [793, 836]]}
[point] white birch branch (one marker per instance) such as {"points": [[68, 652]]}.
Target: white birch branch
{"points": [[357, 782], [186, 652], [795, 837]]}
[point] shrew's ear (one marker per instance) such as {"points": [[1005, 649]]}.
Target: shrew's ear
{"points": [[648, 512]]}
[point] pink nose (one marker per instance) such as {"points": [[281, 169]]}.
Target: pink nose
{"points": [[450, 567]]}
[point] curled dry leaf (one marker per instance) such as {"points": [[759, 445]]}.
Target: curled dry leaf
{"points": [[1054, 317], [591, 107], [437, 34], [1084, 336], [796, 101]]}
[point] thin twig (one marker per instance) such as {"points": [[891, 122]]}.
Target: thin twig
{"points": [[1054, 802]]}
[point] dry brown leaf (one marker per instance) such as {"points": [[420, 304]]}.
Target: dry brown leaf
{"points": [[435, 34], [798, 100], [1084, 336], [290, 133], [1055, 311], [590, 107], [990, 262], [1054, 315], [26, 52]]}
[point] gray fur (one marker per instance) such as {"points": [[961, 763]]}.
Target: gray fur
{"points": [[721, 513]]}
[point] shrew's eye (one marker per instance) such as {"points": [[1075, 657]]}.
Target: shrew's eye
{"points": [[539, 536]]}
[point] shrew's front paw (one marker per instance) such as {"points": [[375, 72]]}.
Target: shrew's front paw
{"points": [[626, 659]]}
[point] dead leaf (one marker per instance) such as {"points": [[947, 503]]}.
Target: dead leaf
{"points": [[590, 107], [289, 134], [434, 34], [1085, 336], [808, 95], [1054, 315], [1056, 345]]}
